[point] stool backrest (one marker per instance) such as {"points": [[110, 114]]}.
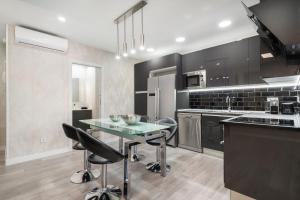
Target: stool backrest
{"points": [[70, 132], [98, 148], [172, 129]]}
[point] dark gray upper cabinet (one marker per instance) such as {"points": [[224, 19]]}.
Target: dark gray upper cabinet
{"points": [[237, 54], [254, 60], [235, 63], [216, 72], [276, 66], [141, 70], [141, 74], [193, 61]]}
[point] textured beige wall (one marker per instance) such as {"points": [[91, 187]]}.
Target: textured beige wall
{"points": [[2, 97], [39, 92]]}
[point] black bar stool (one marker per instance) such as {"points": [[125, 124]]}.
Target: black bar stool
{"points": [[155, 166], [84, 175], [103, 155]]}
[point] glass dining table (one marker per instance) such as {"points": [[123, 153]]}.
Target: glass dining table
{"points": [[136, 134]]}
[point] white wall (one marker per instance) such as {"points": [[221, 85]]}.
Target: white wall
{"points": [[40, 100], [2, 97]]}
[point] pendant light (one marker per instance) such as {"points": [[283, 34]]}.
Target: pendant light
{"points": [[142, 37], [118, 57], [125, 53], [122, 19], [133, 50]]}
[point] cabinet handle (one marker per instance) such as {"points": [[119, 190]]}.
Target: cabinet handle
{"points": [[222, 142]]}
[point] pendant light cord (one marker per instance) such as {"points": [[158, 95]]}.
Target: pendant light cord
{"points": [[124, 28], [132, 21], [142, 20], [118, 40]]}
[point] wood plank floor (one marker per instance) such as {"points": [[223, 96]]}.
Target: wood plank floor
{"points": [[193, 176]]}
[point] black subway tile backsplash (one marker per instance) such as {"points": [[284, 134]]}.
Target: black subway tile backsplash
{"points": [[248, 99]]}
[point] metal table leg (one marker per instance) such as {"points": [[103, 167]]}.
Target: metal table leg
{"points": [[126, 188], [121, 145], [163, 156]]}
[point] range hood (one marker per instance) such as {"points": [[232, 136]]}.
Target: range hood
{"points": [[278, 24], [285, 80]]}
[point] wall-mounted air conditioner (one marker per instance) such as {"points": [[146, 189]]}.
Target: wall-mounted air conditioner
{"points": [[35, 38]]}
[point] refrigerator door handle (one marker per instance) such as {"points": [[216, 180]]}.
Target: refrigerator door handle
{"points": [[157, 104]]}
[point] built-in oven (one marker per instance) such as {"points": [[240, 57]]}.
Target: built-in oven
{"points": [[196, 79]]}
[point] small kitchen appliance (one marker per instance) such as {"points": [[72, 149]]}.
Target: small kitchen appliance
{"points": [[288, 108]]}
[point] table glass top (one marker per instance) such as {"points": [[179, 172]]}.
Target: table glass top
{"points": [[122, 128]]}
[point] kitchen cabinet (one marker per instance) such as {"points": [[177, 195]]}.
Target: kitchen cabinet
{"points": [[214, 52], [254, 73], [140, 103], [141, 74], [189, 136], [78, 115], [212, 131], [237, 54], [216, 72], [240, 63], [193, 61]]}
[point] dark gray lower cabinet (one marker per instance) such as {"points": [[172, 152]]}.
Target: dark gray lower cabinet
{"points": [[78, 115], [212, 131], [140, 104]]}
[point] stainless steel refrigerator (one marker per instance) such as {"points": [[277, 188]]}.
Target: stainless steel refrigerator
{"points": [[161, 100]]}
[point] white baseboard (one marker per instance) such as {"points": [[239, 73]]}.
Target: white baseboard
{"points": [[36, 156]]}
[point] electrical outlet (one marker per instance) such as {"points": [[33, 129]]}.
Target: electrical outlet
{"points": [[43, 140]]}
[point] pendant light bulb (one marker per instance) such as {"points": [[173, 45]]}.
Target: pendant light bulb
{"points": [[125, 54]]}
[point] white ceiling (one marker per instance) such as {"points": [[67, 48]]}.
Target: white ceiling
{"points": [[91, 22]]}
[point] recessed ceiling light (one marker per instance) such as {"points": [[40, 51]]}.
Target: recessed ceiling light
{"points": [[61, 19], [267, 55], [180, 39], [118, 57], [132, 51], [150, 50], [142, 47], [225, 23]]}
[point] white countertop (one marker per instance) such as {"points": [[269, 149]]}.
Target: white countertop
{"points": [[295, 117], [247, 113], [242, 112]]}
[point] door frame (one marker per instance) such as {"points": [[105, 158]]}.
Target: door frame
{"points": [[71, 90]]}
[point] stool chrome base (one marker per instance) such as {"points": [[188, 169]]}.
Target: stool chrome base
{"points": [[84, 176], [155, 167], [109, 193], [136, 157]]}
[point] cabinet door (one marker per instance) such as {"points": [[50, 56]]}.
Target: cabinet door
{"points": [[254, 61], [216, 72], [140, 104], [193, 62], [237, 54], [212, 132], [214, 53]]}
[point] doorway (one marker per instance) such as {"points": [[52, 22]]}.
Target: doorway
{"points": [[86, 93], [2, 93]]}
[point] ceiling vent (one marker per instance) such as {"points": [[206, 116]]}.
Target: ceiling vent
{"points": [[39, 39]]}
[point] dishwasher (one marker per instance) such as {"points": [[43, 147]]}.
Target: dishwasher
{"points": [[189, 136]]}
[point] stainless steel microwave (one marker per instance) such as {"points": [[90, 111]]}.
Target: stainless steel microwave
{"points": [[196, 79]]}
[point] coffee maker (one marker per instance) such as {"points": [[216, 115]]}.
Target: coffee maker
{"points": [[272, 105]]}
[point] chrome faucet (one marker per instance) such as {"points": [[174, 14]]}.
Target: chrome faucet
{"points": [[228, 101]]}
